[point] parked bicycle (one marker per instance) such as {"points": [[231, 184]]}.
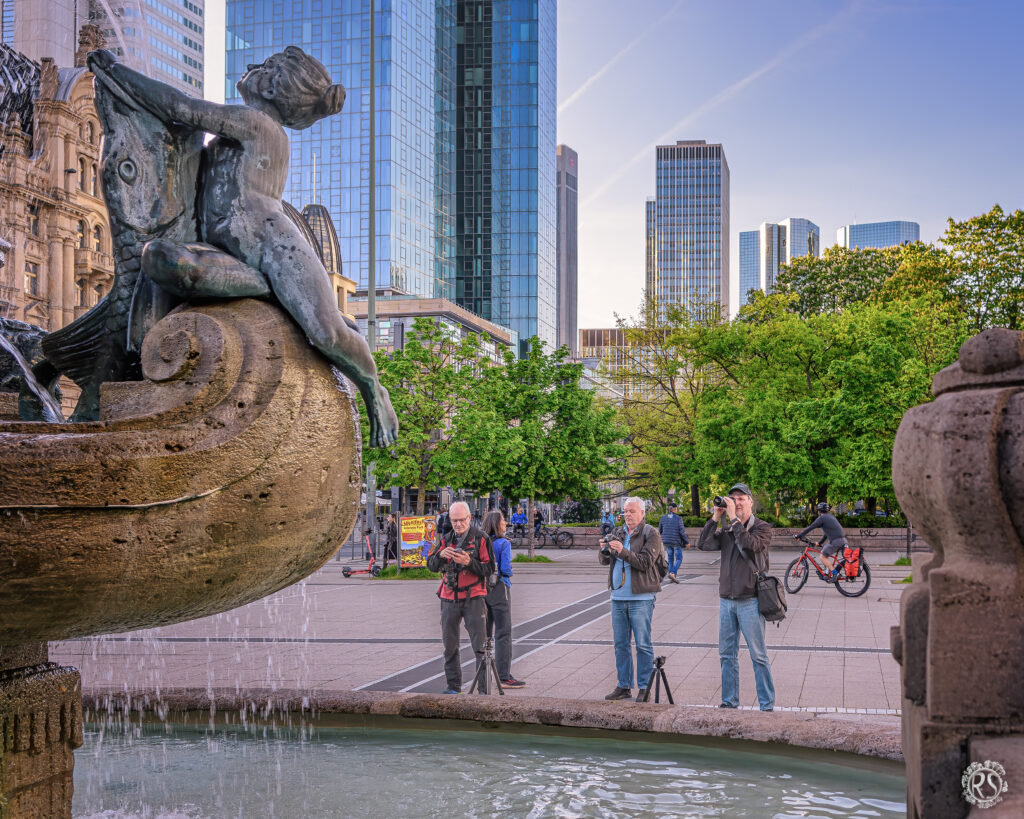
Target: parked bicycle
{"points": [[851, 579], [559, 537]]}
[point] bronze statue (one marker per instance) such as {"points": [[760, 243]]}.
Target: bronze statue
{"points": [[247, 245]]}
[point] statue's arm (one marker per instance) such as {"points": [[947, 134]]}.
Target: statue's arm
{"points": [[171, 105]]}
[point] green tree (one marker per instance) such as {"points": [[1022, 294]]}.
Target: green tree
{"points": [[660, 386], [839, 278], [530, 430], [427, 379], [989, 255]]}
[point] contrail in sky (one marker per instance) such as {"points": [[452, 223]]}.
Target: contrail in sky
{"points": [[722, 96], [579, 92]]}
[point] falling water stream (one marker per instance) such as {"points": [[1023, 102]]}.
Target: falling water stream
{"points": [[51, 409]]}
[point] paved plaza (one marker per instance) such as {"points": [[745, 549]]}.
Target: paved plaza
{"points": [[332, 633]]}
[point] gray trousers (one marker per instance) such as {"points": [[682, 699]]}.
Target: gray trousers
{"points": [[472, 611], [499, 624]]}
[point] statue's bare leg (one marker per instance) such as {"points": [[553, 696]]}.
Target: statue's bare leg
{"points": [[304, 290], [201, 271]]}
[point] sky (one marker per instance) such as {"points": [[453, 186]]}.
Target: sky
{"points": [[838, 112]]}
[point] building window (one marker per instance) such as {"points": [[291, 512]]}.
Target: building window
{"points": [[81, 235], [95, 183], [81, 174], [97, 238], [32, 219], [98, 290], [31, 279], [79, 292], [91, 132]]}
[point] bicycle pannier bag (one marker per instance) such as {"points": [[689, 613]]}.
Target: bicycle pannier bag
{"points": [[852, 556]]}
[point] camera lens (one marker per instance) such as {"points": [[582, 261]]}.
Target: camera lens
{"points": [[719, 501]]}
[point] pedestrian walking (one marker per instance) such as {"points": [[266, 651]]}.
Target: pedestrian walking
{"points": [[673, 535]]}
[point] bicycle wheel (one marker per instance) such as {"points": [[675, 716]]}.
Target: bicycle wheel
{"points": [[796, 575], [854, 586], [540, 541], [563, 540]]}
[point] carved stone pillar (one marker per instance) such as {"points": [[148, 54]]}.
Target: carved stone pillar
{"points": [[55, 282], [40, 726], [957, 471], [68, 283]]}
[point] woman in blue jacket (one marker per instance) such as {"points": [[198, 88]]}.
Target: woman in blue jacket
{"points": [[499, 599]]}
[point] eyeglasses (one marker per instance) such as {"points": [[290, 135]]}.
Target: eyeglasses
{"points": [[457, 520]]}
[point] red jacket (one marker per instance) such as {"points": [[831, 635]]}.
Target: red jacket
{"points": [[472, 579]]}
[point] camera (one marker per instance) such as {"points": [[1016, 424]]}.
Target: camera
{"points": [[605, 548], [452, 571], [718, 501]]}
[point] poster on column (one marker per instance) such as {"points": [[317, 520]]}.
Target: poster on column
{"points": [[417, 536]]}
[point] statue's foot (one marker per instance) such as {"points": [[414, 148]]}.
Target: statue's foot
{"points": [[383, 421]]}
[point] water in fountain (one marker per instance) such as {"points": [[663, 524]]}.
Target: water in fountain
{"points": [[51, 409]]}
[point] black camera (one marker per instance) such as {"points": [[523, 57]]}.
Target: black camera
{"points": [[452, 571], [606, 550], [718, 501]]}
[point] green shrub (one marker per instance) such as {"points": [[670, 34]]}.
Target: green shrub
{"points": [[902, 560], [534, 559], [417, 573]]}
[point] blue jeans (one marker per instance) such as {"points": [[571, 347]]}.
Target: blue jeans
{"points": [[735, 616], [675, 558], [633, 617]]}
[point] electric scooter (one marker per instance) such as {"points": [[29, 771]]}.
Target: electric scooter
{"points": [[372, 569]]}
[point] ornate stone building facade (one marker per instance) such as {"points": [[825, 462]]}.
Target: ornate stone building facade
{"points": [[51, 206]]}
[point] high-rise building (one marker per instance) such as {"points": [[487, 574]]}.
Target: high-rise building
{"points": [[161, 38], [763, 252], [505, 169], [568, 223], [465, 147], [877, 234], [688, 224]]}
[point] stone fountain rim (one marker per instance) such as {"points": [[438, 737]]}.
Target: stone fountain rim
{"points": [[861, 739]]}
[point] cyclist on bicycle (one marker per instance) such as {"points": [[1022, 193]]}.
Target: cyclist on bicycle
{"points": [[833, 533], [519, 523]]}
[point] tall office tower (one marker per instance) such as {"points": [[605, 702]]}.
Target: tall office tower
{"points": [[651, 247], [161, 38], [414, 78], [763, 252], [690, 228], [568, 256], [505, 166], [878, 234]]}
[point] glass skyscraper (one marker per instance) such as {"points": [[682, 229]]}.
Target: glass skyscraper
{"points": [[465, 149], [763, 252], [688, 225], [878, 234], [568, 247], [505, 168]]}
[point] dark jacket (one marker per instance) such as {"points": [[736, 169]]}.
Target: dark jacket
{"points": [[472, 579], [672, 531], [644, 576], [736, 579]]}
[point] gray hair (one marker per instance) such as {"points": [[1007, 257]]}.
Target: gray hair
{"points": [[638, 501], [462, 504]]}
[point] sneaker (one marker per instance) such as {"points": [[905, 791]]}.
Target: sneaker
{"points": [[451, 691], [512, 682], [726, 705], [620, 693], [672, 577], [641, 694]]}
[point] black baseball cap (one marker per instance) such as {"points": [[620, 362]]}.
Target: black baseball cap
{"points": [[741, 487]]}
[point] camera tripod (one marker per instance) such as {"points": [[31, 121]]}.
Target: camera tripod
{"points": [[487, 665], [657, 678]]}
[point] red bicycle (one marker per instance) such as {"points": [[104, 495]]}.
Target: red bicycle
{"points": [[850, 580]]}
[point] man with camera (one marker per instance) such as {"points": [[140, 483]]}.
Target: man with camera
{"points": [[742, 540], [463, 555], [632, 556]]}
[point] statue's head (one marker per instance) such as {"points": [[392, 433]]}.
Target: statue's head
{"points": [[294, 86]]}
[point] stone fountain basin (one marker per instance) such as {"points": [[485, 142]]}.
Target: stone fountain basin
{"points": [[231, 471]]}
